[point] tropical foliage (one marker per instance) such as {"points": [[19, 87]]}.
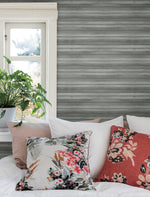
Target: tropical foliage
{"points": [[17, 90]]}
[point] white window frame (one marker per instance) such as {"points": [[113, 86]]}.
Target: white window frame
{"points": [[41, 59], [30, 13]]}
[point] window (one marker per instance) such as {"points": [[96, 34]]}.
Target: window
{"points": [[28, 38], [25, 46]]}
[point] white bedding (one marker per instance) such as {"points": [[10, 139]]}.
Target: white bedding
{"points": [[10, 175]]}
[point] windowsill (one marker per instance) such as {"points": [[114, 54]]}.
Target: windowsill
{"points": [[5, 135]]}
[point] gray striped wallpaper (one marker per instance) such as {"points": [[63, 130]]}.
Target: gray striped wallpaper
{"points": [[103, 58]]}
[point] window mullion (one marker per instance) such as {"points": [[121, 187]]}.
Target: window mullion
{"points": [[26, 58]]}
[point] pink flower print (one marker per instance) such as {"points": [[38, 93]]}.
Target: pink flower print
{"points": [[77, 169], [148, 178], [57, 173], [69, 158], [70, 162], [119, 178], [60, 181], [144, 182], [67, 154], [78, 153], [86, 169], [125, 138], [79, 139], [69, 138], [71, 182], [21, 186], [56, 182], [130, 132], [78, 142], [117, 134]]}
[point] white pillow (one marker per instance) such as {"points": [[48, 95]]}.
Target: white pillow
{"points": [[99, 139], [32, 119], [139, 124]]}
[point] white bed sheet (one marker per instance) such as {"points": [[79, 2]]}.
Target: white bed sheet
{"points": [[10, 175]]}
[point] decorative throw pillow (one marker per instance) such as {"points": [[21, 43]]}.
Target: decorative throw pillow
{"points": [[128, 158], [125, 124], [57, 163], [33, 127], [19, 135], [99, 139], [139, 124], [38, 120]]}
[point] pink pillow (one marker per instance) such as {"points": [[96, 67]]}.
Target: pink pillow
{"points": [[128, 158], [97, 120], [19, 135]]}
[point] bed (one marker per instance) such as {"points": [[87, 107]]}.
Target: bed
{"points": [[10, 174]]}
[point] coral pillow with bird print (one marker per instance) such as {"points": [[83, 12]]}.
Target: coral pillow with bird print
{"points": [[128, 158]]}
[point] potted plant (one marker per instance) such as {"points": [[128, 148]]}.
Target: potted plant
{"points": [[17, 90]]}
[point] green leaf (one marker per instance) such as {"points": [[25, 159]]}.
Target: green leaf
{"points": [[34, 110], [7, 60], [19, 124], [42, 115], [24, 104], [2, 114]]}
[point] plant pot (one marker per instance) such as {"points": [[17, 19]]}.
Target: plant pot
{"points": [[9, 116]]}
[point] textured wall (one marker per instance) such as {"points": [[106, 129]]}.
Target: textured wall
{"points": [[103, 58]]}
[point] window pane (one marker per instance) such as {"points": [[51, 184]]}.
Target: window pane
{"points": [[25, 42], [32, 68]]}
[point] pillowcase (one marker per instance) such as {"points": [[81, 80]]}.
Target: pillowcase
{"points": [[32, 119], [128, 158], [57, 163], [38, 120], [19, 135], [39, 129], [97, 120], [99, 139], [139, 124], [125, 124]]}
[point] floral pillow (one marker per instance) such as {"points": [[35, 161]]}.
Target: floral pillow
{"points": [[128, 158], [57, 163]]}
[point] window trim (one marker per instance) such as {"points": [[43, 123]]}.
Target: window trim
{"points": [[41, 58], [36, 12]]}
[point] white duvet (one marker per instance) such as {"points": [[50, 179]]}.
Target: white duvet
{"points": [[10, 175]]}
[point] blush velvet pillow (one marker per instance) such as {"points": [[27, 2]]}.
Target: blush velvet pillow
{"points": [[57, 163], [33, 127], [128, 158], [19, 135], [38, 120]]}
